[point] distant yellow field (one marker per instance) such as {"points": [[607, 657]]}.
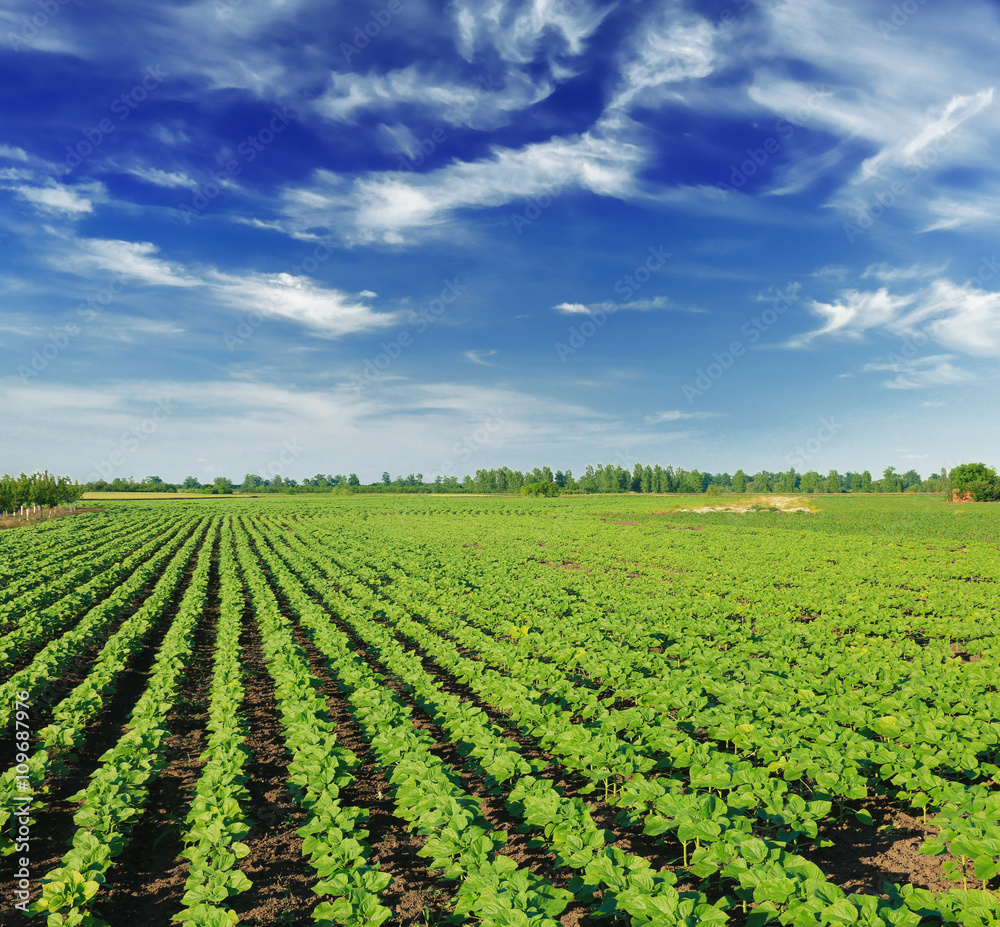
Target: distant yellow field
{"points": [[146, 495]]}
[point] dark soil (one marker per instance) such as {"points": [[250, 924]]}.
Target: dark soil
{"points": [[53, 829], [147, 882], [523, 843], [863, 858], [414, 891], [282, 879]]}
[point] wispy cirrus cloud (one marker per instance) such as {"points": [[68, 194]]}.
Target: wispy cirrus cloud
{"points": [[677, 415], [322, 310], [921, 372], [637, 305]]}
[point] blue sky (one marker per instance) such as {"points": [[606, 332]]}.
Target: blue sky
{"points": [[305, 237]]}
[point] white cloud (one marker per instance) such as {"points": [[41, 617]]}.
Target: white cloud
{"points": [[487, 104], [16, 173], [59, 199], [517, 30], [886, 273], [934, 370], [11, 153], [394, 207], [917, 109], [328, 312], [934, 130], [638, 305], [676, 415], [962, 318], [948, 212], [855, 313], [132, 258], [155, 176], [668, 52], [479, 357]]}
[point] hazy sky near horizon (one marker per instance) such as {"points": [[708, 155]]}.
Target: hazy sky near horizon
{"points": [[245, 236]]}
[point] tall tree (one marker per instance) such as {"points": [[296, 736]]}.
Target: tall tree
{"points": [[786, 481], [809, 481]]}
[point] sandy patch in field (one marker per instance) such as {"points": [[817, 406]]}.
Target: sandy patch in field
{"points": [[756, 503]]}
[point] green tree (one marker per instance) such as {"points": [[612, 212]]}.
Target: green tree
{"points": [[833, 481], [694, 481], [866, 482], [222, 485], [739, 481], [786, 481], [251, 482], [976, 479], [353, 480], [541, 488], [891, 481], [191, 482]]}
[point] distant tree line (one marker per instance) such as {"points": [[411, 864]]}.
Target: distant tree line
{"points": [[221, 485], [602, 478], [43, 489], [614, 478]]}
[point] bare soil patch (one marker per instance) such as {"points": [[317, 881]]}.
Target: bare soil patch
{"points": [[753, 504], [863, 857]]}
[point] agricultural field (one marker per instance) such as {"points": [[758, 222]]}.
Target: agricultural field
{"points": [[428, 710]]}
